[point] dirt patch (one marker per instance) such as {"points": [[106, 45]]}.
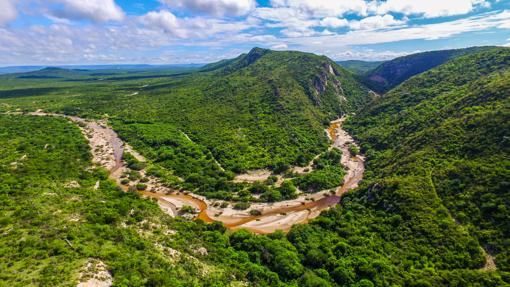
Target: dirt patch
{"points": [[95, 274], [490, 263], [253, 176]]}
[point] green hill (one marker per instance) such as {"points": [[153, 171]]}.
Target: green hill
{"points": [[391, 73], [54, 221], [444, 135], [433, 207]]}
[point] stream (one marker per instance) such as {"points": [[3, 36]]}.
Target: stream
{"points": [[107, 149]]}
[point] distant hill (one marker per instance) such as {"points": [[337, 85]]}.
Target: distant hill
{"points": [[359, 67], [51, 73], [24, 69], [391, 73]]}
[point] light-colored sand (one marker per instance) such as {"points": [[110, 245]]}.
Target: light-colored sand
{"points": [[107, 150], [272, 223], [253, 176]]}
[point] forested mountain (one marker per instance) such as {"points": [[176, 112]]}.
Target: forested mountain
{"points": [[264, 109], [433, 207], [359, 67], [440, 141], [391, 73]]}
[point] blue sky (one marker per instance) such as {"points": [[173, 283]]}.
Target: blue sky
{"points": [[58, 32]]}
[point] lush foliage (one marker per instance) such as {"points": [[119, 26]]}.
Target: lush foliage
{"points": [[53, 221], [327, 173], [436, 193], [264, 109], [433, 203], [447, 129]]}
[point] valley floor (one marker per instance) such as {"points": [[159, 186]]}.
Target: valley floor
{"points": [[107, 149]]}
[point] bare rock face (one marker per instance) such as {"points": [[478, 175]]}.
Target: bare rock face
{"points": [[320, 82], [95, 274]]}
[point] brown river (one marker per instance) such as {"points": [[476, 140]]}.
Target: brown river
{"points": [[107, 149]]}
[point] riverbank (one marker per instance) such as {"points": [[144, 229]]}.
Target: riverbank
{"points": [[107, 149]]}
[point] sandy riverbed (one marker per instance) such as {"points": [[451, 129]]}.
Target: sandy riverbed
{"points": [[107, 150]]}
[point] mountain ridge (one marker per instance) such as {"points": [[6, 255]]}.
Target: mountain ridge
{"points": [[391, 73]]}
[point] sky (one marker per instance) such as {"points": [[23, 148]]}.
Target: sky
{"points": [[60, 32]]}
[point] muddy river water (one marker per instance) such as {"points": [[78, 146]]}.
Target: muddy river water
{"points": [[107, 149]]}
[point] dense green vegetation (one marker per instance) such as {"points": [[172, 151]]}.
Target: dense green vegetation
{"points": [[327, 173], [264, 109], [436, 192], [53, 221], [359, 67], [391, 73], [448, 129], [433, 203]]}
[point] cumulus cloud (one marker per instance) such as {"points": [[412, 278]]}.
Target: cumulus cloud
{"points": [[164, 35], [7, 12], [281, 46], [375, 22], [298, 32], [324, 8], [369, 54], [164, 20], [430, 8], [214, 7], [334, 22], [197, 27], [94, 10]]}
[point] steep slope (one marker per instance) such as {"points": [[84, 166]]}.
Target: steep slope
{"points": [[448, 130], [391, 73], [359, 67]]}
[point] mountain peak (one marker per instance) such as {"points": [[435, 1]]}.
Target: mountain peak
{"points": [[255, 54]]}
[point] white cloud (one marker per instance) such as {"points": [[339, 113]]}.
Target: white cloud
{"points": [[197, 27], [324, 8], [422, 32], [162, 36], [298, 32], [278, 14], [281, 46], [214, 7], [430, 8], [368, 54], [375, 22], [164, 20], [7, 11], [94, 10], [334, 22]]}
